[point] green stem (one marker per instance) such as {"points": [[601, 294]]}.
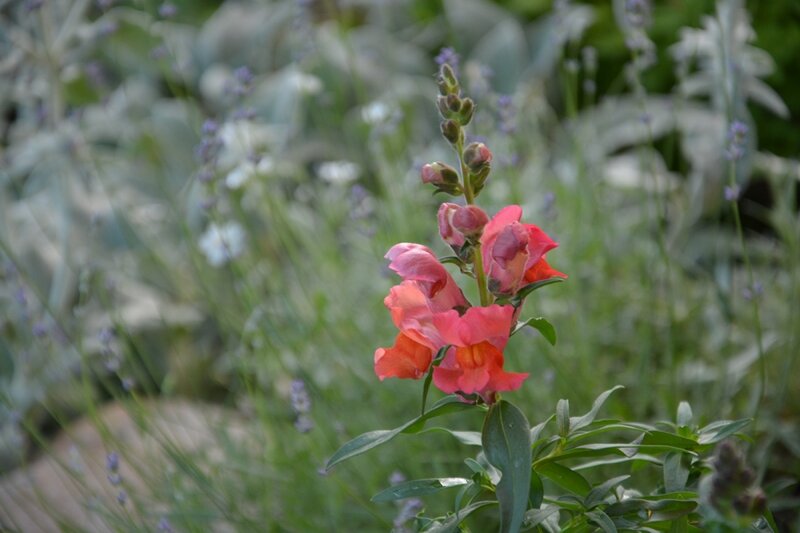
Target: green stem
{"points": [[762, 366], [477, 256]]}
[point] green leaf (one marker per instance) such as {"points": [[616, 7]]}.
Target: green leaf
{"points": [[684, 414], [418, 487], [372, 439], [506, 443], [583, 421], [676, 471], [562, 417], [602, 520], [537, 430], [542, 325], [663, 507], [470, 438], [603, 449], [619, 460], [662, 438], [427, 385], [599, 492], [520, 296], [565, 478], [450, 524], [721, 430], [536, 495], [539, 516]]}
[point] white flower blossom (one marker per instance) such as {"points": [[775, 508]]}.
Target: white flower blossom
{"points": [[304, 83], [338, 172], [245, 170], [241, 139], [222, 243]]}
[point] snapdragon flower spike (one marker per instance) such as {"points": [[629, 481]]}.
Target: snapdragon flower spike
{"points": [[514, 253], [427, 289], [474, 364]]}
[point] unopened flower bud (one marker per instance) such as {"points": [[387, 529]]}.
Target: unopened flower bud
{"points": [[447, 74], [477, 155], [452, 131], [448, 232], [439, 174], [467, 109], [453, 103], [470, 220]]}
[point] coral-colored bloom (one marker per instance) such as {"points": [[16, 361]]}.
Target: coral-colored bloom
{"points": [[474, 364], [427, 289], [417, 263], [406, 359], [513, 253]]}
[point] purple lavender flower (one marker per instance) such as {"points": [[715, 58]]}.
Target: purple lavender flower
{"points": [[396, 478], [39, 329], [210, 127], [164, 526], [298, 395], [637, 12], [167, 10], [411, 507], [732, 193], [448, 55], [122, 497], [737, 138], [112, 461]]}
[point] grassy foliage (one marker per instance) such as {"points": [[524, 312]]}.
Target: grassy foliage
{"points": [[112, 175]]}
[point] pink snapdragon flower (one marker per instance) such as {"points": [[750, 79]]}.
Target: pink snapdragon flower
{"points": [[427, 289], [474, 364], [514, 253]]}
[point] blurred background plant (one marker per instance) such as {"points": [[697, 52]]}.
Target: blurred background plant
{"points": [[197, 196]]}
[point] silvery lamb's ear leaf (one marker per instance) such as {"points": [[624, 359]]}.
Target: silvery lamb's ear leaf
{"points": [[505, 49], [243, 34], [765, 95], [464, 15]]}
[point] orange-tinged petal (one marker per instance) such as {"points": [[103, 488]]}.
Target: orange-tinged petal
{"points": [[406, 359], [541, 270]]}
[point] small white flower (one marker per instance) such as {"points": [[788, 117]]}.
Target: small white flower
{"points": [[245, 170], [376, 112], [241, 139], [338, 172], [304, 83], [240, 174], [222, 243]]}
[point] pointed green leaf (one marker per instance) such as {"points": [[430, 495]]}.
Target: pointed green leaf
{"points": [[684, 414], [537, 430], [562, 417], [520, 296], [427, 385], [418, 487], [536, 495], [676, 471], [721, 430], [565, 478], [542, 325], [506, 443], [470, 438], [371, 439], [599, 492], [450, 524], [583, 421], [662, 438], [602, 520], [548, 513]]}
